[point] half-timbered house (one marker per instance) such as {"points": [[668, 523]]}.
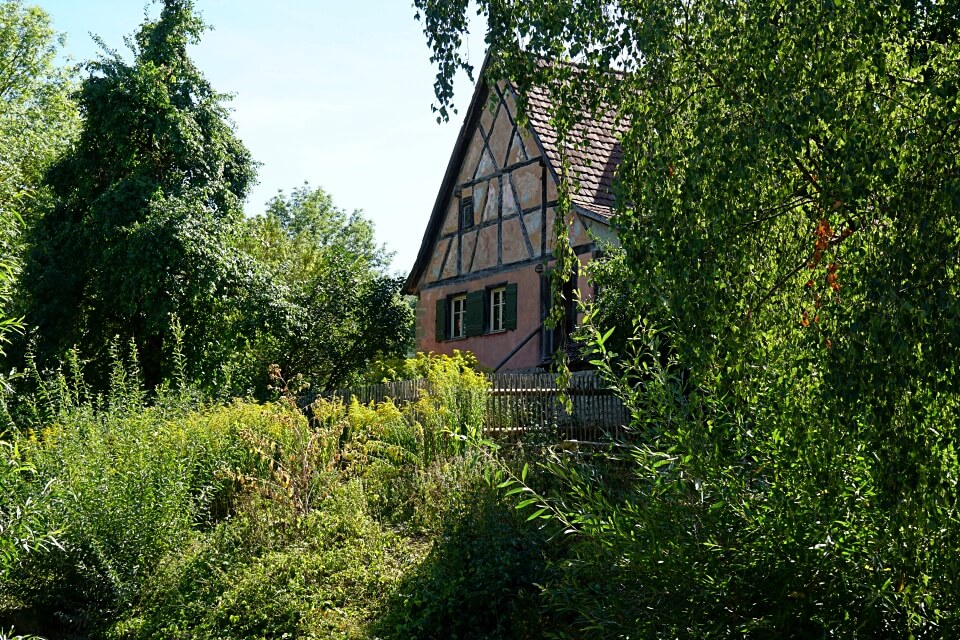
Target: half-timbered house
{"points": [[482, 272]]}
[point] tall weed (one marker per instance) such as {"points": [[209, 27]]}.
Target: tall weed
{"points": [[127, 484], [22, 526], [184, 520]]}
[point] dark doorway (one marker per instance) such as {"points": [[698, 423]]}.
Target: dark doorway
{"points": [[557, 338]]}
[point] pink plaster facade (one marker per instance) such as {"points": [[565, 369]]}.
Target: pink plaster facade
{"points": [[491, 349]]}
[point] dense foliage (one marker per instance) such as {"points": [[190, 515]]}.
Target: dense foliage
{"points": [[143, 206], [789, 200], [340, 309], [144, 235], [783, 321], [421, 365], [37, 118], [184, 520]]}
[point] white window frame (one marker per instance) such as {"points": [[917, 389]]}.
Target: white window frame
{"points": [[498, 308], [458, 316]]}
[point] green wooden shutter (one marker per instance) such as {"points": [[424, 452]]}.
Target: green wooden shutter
{"points": [[510, 307], [441, 319], [474, 315]]}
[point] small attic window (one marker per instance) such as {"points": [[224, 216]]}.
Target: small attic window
{"points": [[466, 209]]}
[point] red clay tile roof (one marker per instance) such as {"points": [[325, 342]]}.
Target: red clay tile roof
{"points": [[593, 151]]}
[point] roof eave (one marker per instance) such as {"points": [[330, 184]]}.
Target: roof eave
{"points": [[593, 215], [470, 120]]}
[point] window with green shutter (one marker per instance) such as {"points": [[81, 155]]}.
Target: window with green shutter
{"points": [[474, 315], [441, 320], [510, 307]]}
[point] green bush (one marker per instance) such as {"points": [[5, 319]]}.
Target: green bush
{"points": [[409, 456], [452, 401], [419, 366], [322, 575], [127, 486], [479, 579], [122, 496], [22, 526], [767, 518]]}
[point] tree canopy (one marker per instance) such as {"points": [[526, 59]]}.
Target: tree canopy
{"points": [[37, 117], [766, 144], [144, 206], [37, 121], [788, 205], [340, 308]]}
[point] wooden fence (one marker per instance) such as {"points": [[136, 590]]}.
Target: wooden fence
{"points": [[526, 404]]}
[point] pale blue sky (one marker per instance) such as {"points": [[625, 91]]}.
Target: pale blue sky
{"points": [[336, 92]]}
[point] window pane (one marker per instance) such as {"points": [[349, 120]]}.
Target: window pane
{"points": [[466, 211], [457, 308], [496, 309]]}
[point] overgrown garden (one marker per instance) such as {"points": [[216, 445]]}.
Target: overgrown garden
{"points": [[782, 319], [129, 517]]}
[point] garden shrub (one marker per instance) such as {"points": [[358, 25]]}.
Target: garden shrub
{"points": [[297, 458], [321, 575], [452, 402], [401, 451], [453, 409], [479, 579], [121, 494], [22, 527], [128, 485], [765, 518], [419, 366]]}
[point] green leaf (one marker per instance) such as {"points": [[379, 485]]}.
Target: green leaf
{"points": [[536, 514], [526, 503]]}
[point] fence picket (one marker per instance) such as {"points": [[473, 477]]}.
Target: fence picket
{"points": [[520, 402]]}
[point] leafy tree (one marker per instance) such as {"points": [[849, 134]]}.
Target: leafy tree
{"points": [[144, 205], [788, 204], [340, 308], [37, 120], [37, 117]]}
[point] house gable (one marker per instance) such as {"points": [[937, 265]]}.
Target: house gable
{"points": [[501, 176], [509, 174], [489, 243]]}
